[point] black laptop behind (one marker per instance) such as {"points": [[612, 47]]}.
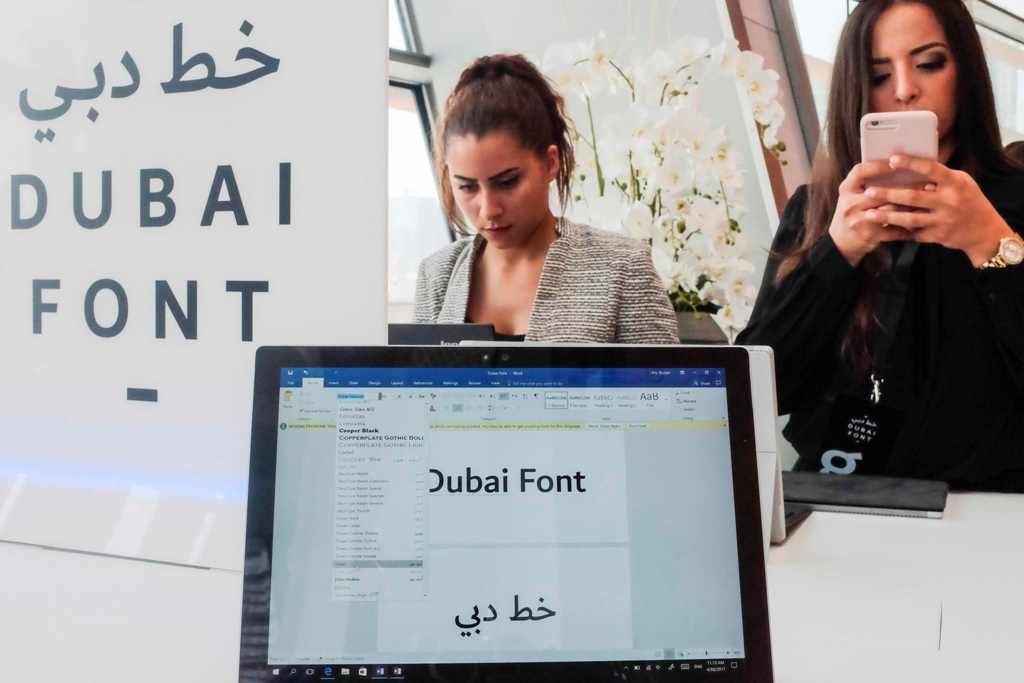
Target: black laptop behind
{"points": [[433, 334]]}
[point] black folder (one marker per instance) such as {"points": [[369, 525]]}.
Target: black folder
{"points": [[866, 494]]}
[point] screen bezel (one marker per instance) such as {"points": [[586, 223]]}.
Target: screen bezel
{"points": [[756, 666]]}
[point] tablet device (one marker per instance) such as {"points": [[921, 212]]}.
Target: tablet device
{"points": [[503, 514], [765, 408]]}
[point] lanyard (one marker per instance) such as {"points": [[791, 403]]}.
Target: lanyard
{"points": [[894, 296]]}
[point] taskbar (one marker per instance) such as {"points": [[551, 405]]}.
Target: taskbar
{"points": [[704, 666], [614, 671]]}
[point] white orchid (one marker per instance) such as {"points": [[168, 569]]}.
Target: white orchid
{"points": [[769, 114], [679, 204], [666, 263], [690, 270], [725, 55], [746, 65], [675, 175], [657, 74], [597, 64], [708, 216], [661, 170], [599, 210], [639, 222], [702, 246], [763, 87], [738, 286], [563, 65], [732, 318], [646, 163], [699, 137], [640, 124], [690, 49]]}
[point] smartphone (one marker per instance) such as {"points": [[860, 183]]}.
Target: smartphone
{"points": [[914, 133]]}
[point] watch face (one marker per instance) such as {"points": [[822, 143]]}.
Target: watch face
{"points": [[1012, 250]]}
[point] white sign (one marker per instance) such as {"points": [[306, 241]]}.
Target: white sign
{"points": [[184, 182]]}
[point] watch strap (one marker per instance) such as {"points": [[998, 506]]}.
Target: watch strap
{"points": [[998, 261]]}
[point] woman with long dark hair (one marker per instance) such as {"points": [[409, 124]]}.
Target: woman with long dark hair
{"points": [[897, 315], [503, 140]]}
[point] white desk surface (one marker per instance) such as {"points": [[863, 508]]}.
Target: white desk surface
{"points": [[865, 598], [852, 598]]}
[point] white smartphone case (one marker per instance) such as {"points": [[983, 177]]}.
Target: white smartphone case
{"points": [[914, 133]]}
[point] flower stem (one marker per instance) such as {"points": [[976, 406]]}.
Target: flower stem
{"points": [[725, 200], [690, 64], [634, 181], [593, 144], [632, 90]]}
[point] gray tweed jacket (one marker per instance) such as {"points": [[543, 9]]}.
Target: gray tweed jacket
{"points": [[596, 286]]}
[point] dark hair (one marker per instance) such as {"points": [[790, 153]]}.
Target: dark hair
{"points": [[975, 131], [506, 93]]}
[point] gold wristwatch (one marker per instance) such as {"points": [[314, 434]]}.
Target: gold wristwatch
{"points": [[1011, 253]]}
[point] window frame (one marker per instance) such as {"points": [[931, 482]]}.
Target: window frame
{"points": [[1008, 25], [407, 19], [998, 20], [986, 14], [797, 73], [422, 94], [410, 70]]}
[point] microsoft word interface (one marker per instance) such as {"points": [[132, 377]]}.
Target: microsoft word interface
{"points": [[503, 515]]}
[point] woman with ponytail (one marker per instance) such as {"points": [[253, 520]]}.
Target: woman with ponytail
{"points": [[502, 141], [897, 315]]}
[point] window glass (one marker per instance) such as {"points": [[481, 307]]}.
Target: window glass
{"points": [[819, 23], [1006, 64], [396, 35], [416, 224]]}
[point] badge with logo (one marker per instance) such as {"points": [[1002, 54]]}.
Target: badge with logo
{"points": [[859, 437]]}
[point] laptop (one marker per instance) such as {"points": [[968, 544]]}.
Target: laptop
{"points": [[436, 334], [503, 514]]}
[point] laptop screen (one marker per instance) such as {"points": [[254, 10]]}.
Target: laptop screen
{"points": [[454, 515]]}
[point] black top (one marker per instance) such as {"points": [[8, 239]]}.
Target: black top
{"points": [[956, 366]]}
